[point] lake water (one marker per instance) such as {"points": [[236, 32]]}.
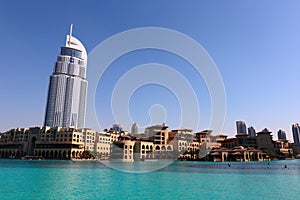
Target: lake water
{"points": [[181, 180]]}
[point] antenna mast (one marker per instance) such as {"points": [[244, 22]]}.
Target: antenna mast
{"points": [[70, 35]]}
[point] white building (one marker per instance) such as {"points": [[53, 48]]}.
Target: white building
{"points": [[66, 99], [88, 139], [102, 145]]}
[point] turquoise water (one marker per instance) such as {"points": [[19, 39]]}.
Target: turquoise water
{"points": [[181, 180]]}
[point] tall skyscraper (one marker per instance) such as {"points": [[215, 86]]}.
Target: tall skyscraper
{"points": [[134, 129], [281, 135], [296, 134], [251, 132], [241, 128], [66, 101]]}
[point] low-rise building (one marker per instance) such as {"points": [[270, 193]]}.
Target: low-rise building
{"points": [[123, 149], [264, 141], [20, 142], [284, 149], [157, 143], [102, 145], [238, 153], [143, 150], [246, 141], [60, 143], [88, 139], [207, 142]]}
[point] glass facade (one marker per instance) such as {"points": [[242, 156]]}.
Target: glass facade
{"points": [[66, 100], [241, 128], [296, 134], [251, 132], [66, 51], [281, 135]]}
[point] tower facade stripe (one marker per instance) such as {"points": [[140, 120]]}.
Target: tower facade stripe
{"points": [[66, 101]]}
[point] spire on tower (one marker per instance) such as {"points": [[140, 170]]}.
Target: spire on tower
{"points": [[70, 35]]}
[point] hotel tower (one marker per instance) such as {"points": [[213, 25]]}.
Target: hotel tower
{"points": [[67, 91]]}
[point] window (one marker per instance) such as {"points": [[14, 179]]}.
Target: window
{"points": [[70, 52]]}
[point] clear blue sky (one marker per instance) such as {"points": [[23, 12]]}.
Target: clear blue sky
{"points": [[255, 44]]}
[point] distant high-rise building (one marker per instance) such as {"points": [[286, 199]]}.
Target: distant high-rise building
{"points": [[134, 129], [241, 128], [117, 127], [281, 135], [296, 134], [66, 101], [251, 132]]}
